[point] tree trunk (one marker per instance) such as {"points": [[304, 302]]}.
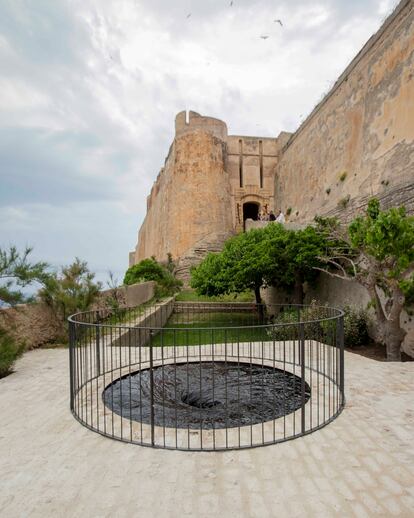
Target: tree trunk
{"points": [[260, 306], [257, 295], [298, 289], [394, 335], [393, 338]]}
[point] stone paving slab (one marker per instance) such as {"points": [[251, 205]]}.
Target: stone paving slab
{"points": [[360, 465]]}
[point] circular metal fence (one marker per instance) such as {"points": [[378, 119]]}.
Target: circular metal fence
{"points": [[207, 376]]}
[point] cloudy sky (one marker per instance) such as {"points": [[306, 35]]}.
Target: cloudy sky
{"points": [[89, 90]]}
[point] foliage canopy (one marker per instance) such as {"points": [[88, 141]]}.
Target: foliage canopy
{"points": [[73, 290], [377, 250], [17, 272], [272, 256], [151, 270]]}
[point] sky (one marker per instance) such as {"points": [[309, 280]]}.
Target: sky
{"points": [[89, 90]]}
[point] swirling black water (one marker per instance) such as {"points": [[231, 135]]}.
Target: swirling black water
{"points": [[206, 395]]}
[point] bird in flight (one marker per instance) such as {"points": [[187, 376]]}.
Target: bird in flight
{"points": [[264, 36], [188, 15], [279, 22]]}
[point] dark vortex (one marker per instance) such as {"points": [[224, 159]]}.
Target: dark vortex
{"points": [[206, 395]]}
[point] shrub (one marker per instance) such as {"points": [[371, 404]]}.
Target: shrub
{"points": [[168, 285], [343, 176], [343, 202], [71, 291], [289, 211], [151, 270], [114, 300], [145, 270], [407, 287], [314, 325], [355, 327], [10, 350]]}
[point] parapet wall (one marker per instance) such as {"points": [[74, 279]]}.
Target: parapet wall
{"points": [[196, 122], [129, 296], [359, 141]]}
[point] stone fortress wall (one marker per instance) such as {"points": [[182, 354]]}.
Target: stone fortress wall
{"points": [[210, 183], [357, 143]]}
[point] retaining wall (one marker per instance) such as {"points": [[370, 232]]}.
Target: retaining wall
{"points": [[340, 293], [36, 324], [140, 334]]}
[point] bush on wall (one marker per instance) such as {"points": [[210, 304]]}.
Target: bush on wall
{"points": [[151, 270]]}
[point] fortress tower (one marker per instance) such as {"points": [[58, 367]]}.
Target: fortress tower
{"points": [[357, 143], [210, 184]]}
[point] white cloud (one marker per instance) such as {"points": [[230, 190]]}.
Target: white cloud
{"points": [[90, 90]]}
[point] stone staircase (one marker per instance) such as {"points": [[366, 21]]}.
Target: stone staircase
{"points": [[211, 243]]}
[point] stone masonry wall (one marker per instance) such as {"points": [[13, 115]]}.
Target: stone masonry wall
{"points": [[188, 210], [359, 141], [197, 200]]}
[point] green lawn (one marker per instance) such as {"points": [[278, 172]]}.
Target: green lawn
{"points": [[204, 328], [188, 295]]}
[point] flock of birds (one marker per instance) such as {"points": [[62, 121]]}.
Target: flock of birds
{"points": [[263, 36]]}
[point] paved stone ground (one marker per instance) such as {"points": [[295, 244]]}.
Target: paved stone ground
{"points": [[360, 465]]}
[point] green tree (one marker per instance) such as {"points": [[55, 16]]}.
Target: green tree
{"points": [[145, 270], [242, 265], [245, 262], [73, 290], [151, 270], [210, 277], [272, 256], [292, 256], [16, 273], [377, 252], [233, 270]]}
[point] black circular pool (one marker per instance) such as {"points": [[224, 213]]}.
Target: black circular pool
{"points": [[206, 395]]}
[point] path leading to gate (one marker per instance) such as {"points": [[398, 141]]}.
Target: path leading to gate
{"points": [[360, 465]]}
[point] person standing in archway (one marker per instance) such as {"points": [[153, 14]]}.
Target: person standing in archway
{"points": [[280, 218]]}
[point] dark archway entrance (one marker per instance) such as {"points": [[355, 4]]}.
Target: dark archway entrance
{"points": [[250, 211]]}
